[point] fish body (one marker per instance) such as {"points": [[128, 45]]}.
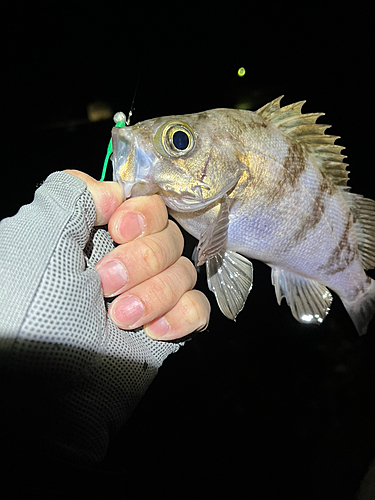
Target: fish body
{"points": [[268, 185]]}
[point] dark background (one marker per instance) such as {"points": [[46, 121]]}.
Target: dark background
{"points": [[262, 408]]}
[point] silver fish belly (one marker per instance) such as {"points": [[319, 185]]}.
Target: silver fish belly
{"points": [[269, 185]]}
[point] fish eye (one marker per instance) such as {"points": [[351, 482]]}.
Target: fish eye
{"points": [[174, 139], [180, 140]]}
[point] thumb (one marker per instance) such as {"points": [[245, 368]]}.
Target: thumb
{"points": [[107, 196]]}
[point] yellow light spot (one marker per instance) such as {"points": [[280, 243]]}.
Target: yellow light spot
{"points": [[241, 72]]}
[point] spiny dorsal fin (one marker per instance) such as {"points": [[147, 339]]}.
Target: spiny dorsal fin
{"points": [[269, 108], [303, 127]]}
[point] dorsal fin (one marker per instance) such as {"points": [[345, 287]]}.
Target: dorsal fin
{"points": [[303, 128]]}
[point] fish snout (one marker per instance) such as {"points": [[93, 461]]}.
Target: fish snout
{"points": [[132, 166]]}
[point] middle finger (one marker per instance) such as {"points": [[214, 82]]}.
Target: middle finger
{"points": [[132, 263], [153, 299]]}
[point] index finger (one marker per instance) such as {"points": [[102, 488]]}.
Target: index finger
{"points": [[139, 216]]}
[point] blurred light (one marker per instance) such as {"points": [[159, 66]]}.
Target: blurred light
{"points": [[98, 110], [244, 104], [241, 72]]}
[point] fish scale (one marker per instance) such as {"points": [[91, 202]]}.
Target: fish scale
{"points": [[268, 185]]}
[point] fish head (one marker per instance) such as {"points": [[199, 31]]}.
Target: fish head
{"points": [[190, 160]]}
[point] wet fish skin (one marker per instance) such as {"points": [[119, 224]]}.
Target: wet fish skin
{"points": [[269, 185]]}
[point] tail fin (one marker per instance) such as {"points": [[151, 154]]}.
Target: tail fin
{"points": [[363, 309]]}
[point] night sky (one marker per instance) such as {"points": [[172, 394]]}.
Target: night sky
{"points": [[265, 406]]}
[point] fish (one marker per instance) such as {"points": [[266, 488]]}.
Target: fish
{"points": [[269, 185]]}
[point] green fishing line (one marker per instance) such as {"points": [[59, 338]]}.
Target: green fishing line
{"points": [[120, 123]]}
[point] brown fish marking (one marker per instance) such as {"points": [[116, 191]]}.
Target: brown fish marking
{"points": [[293, 166], [294, 163], [201, 117], [326, 188], [238, 126], [344, 253], [361, 288]]}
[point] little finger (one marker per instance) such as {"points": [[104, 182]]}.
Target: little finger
{"points": [[190, 314]]}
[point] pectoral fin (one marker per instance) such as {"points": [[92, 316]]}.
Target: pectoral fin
{"points": [[308, 300], [229, 275], [230, 278], [214, 239]]}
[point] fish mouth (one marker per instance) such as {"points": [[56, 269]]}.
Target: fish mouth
{"points": [[132, 166]]}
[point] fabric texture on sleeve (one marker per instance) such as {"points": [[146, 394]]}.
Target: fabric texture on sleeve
{"points": [[54, 327]]}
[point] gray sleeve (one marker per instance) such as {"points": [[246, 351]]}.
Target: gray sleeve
{"points": [[54, 325]]}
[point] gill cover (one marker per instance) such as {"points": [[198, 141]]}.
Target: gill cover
{"points": [[187, 176]]}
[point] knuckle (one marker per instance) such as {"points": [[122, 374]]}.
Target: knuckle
{"points": [[168, 287], [152, 255], [163, 291], [158, 251]]}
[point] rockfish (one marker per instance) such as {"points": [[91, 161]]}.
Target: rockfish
{"points": [[268, 185]]}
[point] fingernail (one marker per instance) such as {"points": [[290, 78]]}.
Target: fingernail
{"points": [[127, 311], [132, 225], [158, 328], [113, 276]]}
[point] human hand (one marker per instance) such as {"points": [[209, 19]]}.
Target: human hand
{"points": [[152, 283]]}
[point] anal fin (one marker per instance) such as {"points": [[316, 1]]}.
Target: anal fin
{"points": [[230, 278], [308, 300]]}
